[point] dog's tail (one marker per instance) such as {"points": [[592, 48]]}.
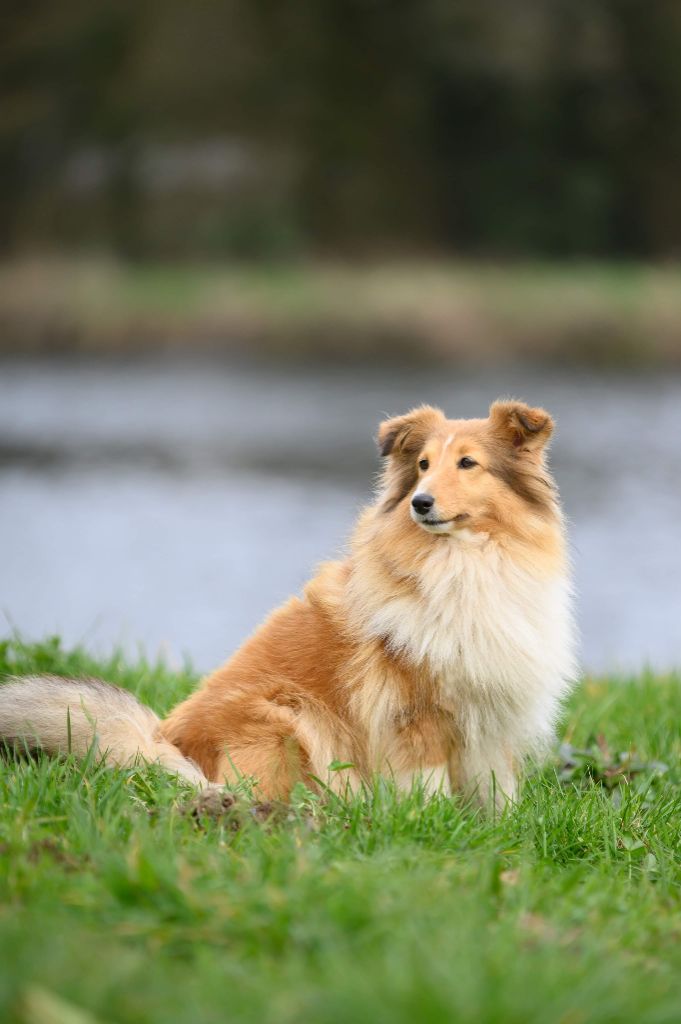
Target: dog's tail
{"points": [[76, 715]]}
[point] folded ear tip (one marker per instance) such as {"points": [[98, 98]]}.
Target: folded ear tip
{"points": [[385, 443], [385, 436], [390, 430], [521, 422], [534, 417], [534, 420]]}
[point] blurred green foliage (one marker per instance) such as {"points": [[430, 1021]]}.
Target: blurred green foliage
{"points": [[250, 128]]}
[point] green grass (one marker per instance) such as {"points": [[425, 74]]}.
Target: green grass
{"points": [[115, 905]]}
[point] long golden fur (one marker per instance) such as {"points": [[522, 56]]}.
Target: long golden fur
{"points": [[438, 650]]}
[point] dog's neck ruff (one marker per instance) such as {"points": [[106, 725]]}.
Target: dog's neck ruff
{"points": [[496, 637]]}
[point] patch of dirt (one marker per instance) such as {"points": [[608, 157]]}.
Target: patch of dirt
{"points": [[219, 805]]}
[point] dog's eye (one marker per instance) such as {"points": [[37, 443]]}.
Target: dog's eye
{"points": [[467, 462], [423, 464]]}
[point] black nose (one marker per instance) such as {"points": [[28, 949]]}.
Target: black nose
{"points": [[422, 503]]}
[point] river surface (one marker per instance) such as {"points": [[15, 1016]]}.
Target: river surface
{"points": [[166, 506]]}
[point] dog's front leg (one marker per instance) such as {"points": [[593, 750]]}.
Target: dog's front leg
{"points": [[432, 780], [486, 772], [417, 757]]}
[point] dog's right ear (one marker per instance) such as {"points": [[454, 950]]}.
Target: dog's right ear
{"points": [[406, 435], [401, 439]]}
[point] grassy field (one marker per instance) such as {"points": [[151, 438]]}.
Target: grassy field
{"points": [[598, 314], [119, 904]]}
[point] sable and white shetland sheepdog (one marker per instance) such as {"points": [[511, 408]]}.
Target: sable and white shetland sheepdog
{"points": [[439, 650]]}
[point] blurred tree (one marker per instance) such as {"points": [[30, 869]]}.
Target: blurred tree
{"points": [[254, 128], [58, 71]]}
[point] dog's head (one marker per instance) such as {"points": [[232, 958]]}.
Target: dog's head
{"points": [[473, 475]]}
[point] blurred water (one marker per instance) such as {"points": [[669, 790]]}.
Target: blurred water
{"points": [[170, 505]]}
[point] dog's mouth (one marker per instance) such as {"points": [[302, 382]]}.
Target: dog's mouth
{"points": [[432, 521]]}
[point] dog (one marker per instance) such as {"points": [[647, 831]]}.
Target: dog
{"points": [[437, 653]]}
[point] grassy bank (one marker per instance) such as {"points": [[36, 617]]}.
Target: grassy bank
{"points": [[118, 905], [582, 313]]}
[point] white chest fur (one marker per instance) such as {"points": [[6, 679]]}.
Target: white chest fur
{"points": [[498, 638]]}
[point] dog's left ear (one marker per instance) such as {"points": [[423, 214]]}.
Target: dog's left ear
{"points": [[406, 435], [526, 429]]}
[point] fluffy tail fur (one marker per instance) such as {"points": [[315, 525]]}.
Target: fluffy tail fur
{"points": [[61, 715]]}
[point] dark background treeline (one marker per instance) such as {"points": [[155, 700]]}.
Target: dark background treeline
{"points": [[261, 129]]}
